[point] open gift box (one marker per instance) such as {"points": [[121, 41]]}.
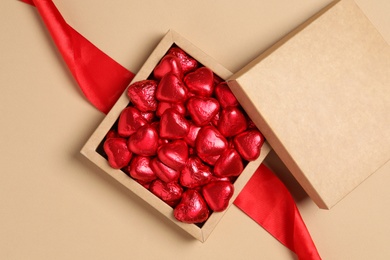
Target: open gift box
{"points": [[320, 96], [94, 151]]}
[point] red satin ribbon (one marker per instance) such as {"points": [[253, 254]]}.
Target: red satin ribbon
{"points": [[267, 201], [102, 80]]}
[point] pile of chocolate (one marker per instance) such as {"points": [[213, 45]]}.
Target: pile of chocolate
{"points": [[184, 137]]}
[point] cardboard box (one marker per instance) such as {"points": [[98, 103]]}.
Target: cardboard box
{"points": [[92, 149], [321, 97]]}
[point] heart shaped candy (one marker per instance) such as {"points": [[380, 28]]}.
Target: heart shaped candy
{"points": [[232, 121], [225, 96], [162, 106], [168, 64], [155, 125], [230, 179], [192, 134], [248, 144], [174, 154], [170, 192], [228, 164], [149, 116], [217, 194], [195, 173], [140, 170], [130, 120], [171, 89], [192, 208], [210, 143], [164, 172], [117, 152], [144, 141], [215, 119], [209, 159], [146, 185], [173, 125], [112, 134], [217, 80], [142, 95], [200, 82], [251, 124], [202, 109], [187, 62]]}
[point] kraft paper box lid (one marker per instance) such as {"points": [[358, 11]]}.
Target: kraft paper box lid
{"points": [[321, 97]]}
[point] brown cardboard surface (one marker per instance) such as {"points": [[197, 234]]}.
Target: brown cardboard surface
{"points": [[322, 98], [90, 149]]}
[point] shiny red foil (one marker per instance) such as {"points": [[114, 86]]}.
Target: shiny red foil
{"points": [[192, 208], [187, 137]]}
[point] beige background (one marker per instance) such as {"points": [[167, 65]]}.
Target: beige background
{"points": [[55, 204]]}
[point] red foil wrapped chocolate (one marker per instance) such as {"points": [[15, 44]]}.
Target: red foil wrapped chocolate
{"points": [[184, 137], [192, 208]]}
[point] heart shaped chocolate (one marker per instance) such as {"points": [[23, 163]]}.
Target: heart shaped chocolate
{"points": [[202, 109], [228, 164], [129, 121], [225, 96], [251, 124], [174, 154], [217, 80], [173, 125], [164, 172], [192, 208], [162, 106], [200, 82], [144, 141], [192, 134], [171, 89], [232, 121], [168, 64], [210, 144], [209, 159], [140, 170], [248, 144], [142, 95], [187, 62], [170, 192], [117, 152], [215, 119], [218, 194], [215, 178], [155, 125], [195, 173], [111, 134], [149, 116]]}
